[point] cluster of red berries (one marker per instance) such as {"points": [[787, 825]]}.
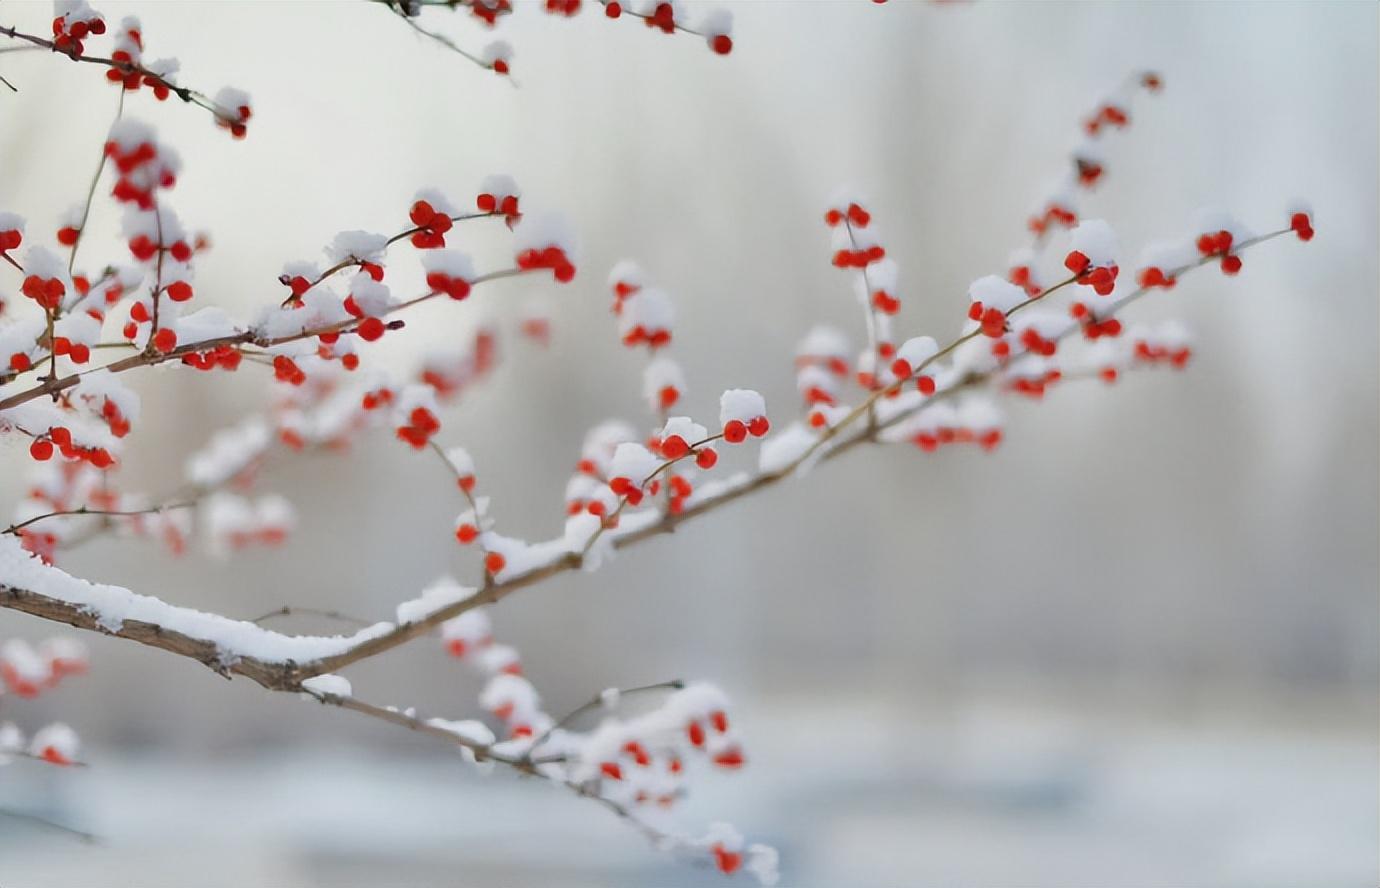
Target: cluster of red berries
{"points": [[630, 490], [1023, 277], [455, 287], [1034, 386], [488, 11], [76, 352], [144, 248], [1176, 356], [114, 418], [1093, 328], [662, 17], [991, 320], [236, 120], [1036, 344], [859, 258], [1054, 214], [551, 257], [931, 441], [47, 292], [1108, 114], [504, 204], [285, 369], [21, 678], [431, 226], [143, 159], [1151, 277], [421, 425], [372, 400], [128, 73], [736, 431], [60, 437], [1219, 244], [163, 340], [68, 37], [1102, 278], [369, 328], [729, 757]]}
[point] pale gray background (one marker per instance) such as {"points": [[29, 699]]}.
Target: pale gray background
{"points": [[1167, 673]]}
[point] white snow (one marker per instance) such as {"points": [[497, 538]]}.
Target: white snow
{"points": [[112, 606]]}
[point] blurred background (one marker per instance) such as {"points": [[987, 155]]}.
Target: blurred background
{"points": [[1164, 673]]}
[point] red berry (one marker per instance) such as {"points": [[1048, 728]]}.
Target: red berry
{"points": [[370, 329], [494, 562], [735, 432], [727, 861]]}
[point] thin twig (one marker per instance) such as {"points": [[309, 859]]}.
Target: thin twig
{"points": [[107, 513]]}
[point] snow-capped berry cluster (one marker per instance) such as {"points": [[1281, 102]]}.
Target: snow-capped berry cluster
{"points": [[415, 415], [647, 318], [75, 21], [821, 366], [990, 299], [500, 195], [133, 72], [1218, 234], [630, 761], [232, 110], [910, 361], [431, 214], [27, 671], [1092, 256], [1087, 167], [1167, 343], [141, 164], [233, 523], [974, 421], [55, 744], [742, 412], [854, 245], [544, 242]]}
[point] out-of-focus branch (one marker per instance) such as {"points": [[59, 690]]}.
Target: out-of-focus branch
{"points": [[124, 67]]}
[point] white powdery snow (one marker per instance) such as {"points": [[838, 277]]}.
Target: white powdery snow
{"points": [[112, 606]]}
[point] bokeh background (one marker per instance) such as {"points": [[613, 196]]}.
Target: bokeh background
{"points": [[1136, 646]]}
